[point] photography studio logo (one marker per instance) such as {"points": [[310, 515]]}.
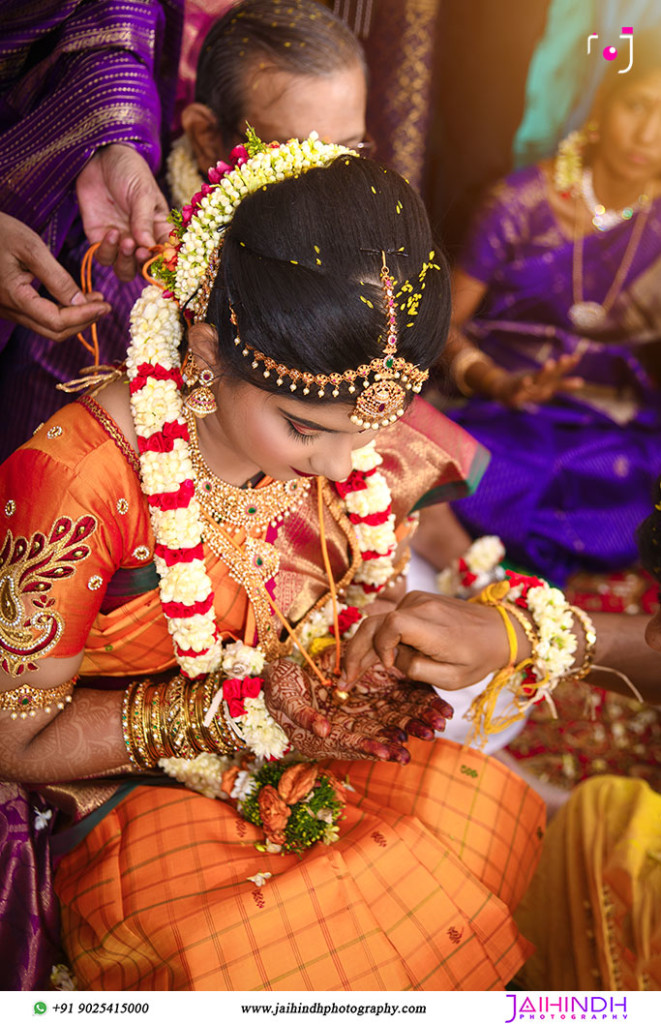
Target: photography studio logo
{"points": [[610, 52]]}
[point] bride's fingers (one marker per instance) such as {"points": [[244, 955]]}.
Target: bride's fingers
{"points": [[352, 745], [288, 692]]}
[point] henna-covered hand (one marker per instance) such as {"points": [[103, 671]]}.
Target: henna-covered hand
{"points": [[382, 697], [290, 697], [372, 724]]}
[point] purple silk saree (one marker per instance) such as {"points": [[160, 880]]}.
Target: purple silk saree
{"points": [[75, 75], [570, 480], [29, 913]]}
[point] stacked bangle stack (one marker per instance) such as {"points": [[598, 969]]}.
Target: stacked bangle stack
{"points": [[547, 620], [162, 720]]}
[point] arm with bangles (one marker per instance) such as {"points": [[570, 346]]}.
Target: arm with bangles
{"points": [[470, 369], [450, 643], [82, 739]]}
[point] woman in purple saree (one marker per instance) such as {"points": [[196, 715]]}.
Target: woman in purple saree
{"points": [[562, 274]]}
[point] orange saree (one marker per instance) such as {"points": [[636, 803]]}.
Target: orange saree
{"points": [[159, 893]]}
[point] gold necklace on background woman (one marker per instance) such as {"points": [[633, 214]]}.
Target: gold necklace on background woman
{"points": [[572, 179], [588, 314]]}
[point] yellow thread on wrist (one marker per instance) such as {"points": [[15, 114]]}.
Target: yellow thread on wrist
{"points": [[482, 710]]}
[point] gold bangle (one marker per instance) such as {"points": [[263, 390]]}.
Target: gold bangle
{"points": [[150, 711], [195, 740], [224, 737], [215, 734], [129, 738], [204, 736], [176, 738], [235, 740], [24, 701], [126, 701], [528, 627], [131, 722], [140, 725], [590, 632], [462, 363]]}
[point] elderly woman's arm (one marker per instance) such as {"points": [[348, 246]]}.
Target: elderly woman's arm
{"points": [[475, 371]]}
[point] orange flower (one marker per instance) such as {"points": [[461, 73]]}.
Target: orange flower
{"points": [[228, 780], [274, 813], [170, 255], [297, 781], [337, 784]]}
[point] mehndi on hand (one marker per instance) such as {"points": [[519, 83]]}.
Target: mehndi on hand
{"points": [[372, 723]]}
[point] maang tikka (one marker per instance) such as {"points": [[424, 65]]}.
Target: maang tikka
{"points": [[201, 400], [380, 386]]}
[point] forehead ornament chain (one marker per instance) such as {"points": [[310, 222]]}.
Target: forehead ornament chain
{"points": [[381, 385]]}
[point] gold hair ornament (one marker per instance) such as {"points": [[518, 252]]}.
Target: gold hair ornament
{"points": [[381, 399], [189, 265]]}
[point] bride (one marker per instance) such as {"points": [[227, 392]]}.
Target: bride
{"points": [[184, 552]]}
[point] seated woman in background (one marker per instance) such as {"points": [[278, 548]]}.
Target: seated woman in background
{"points": [[269, 505], [557, 339]]}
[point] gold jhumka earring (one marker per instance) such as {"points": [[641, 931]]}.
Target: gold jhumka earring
{"points": [[201, 400]]}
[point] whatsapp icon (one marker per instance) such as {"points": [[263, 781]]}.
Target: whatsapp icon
{"points": [[40, 1008]]}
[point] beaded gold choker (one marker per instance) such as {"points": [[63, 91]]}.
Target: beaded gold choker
{"points": [[242, 508], [382, 398]]}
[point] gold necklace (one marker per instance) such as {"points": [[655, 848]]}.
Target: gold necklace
{"points": [[242, 508], [588, 315]]}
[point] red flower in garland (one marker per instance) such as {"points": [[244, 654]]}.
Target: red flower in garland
{"points": [[235, 692], [467, 577], [525, 582], [239, 155], [354, 482], [346, 619], [218, 172]]}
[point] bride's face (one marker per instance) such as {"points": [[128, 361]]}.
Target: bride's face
{"points": [[285, 438]]}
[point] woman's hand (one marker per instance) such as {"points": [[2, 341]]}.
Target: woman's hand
{"points": [[24, 257], [383, 701], [437, 640], [516, 390], [372, 724]]}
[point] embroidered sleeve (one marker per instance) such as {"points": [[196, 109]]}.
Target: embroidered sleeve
{"points": [[59, 546]]}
